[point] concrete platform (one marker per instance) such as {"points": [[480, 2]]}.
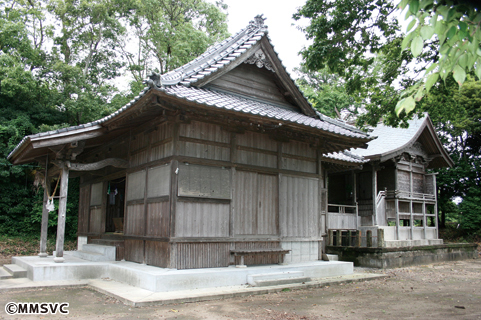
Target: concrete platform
{"points": [[157, 279], [138, 297]]}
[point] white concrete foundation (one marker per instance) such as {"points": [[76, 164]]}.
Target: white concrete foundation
{"points": [[162, 279]]}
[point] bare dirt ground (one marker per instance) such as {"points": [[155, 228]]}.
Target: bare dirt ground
{"points": [[450, 290]]}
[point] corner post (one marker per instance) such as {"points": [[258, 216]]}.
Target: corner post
{"points": [[44, 226], [62, 211]]}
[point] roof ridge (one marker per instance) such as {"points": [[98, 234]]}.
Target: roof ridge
{"points": [[227, 50]]}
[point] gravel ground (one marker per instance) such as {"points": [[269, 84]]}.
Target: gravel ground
{"points": [[450, 290]]}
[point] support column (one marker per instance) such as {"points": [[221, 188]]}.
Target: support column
{"points": [[374, 195], [44, 226], [62, 212]]}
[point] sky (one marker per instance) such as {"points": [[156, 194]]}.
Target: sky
{"points": [[285, 37]]}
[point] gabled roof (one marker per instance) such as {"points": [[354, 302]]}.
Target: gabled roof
{"points": [[391, 142], [189, 84], [250, 45]]}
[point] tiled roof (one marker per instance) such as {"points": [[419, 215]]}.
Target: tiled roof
{"points": [[345, 156], [217, 56], [390, 139], [237, 103]]}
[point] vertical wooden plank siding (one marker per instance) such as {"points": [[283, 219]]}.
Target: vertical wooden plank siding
{"points": [[256, 140], [158, 219], [203, 151], [134, 224], [134, 250], [84, 208], [204, 131], [267, 204], [157, 253], [245, 202], [202, 255], [202, 219], [299, 206], [95, 224]]}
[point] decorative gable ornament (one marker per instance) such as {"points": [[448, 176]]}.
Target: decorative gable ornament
{"points": [[260, 60]]}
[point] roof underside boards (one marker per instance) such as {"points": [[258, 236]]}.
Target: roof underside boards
{"points": [[391, 142]]}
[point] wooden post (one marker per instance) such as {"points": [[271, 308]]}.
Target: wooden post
{"points": [[338, 238], [331, 237], [62, 212], [374, 195], [44, 226], [349, 237]]}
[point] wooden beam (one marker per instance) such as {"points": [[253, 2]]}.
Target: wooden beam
{"points": [[62, 212], [114, 162]]}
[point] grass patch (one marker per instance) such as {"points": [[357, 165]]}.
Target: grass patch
{"points": [[29, 246]]}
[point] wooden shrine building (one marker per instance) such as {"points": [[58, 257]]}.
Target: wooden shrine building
{"points": [[218, 161], [392, 190]]}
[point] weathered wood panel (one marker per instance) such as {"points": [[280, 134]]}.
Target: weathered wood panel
{"points": [[138, 158], [203, 255], [341, 221], [204, 182], [204, 131], [159, 181], [299, 207], [161, 150], [201, 219], [136, 185], [84, 208], [134, 223], [299, 149], [403, 181], [203, 151], [157, 253], [254, 82], [261, 258], [365, 208], [95, 224], [418, 183], [267, 189], [96, 194], [134, 250], [158, 219], [429, 184], [139, 141], [162, 132], [256, 158], [299, 165], [245, 203], [256, 140]]}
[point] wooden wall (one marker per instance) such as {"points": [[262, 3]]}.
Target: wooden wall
{"points": [[195, 191]]}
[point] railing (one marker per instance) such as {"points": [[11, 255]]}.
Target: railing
{"points": [[409, 195], [341, 208]]}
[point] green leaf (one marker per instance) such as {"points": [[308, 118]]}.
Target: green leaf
{"points": [[406, 104], [427, 32], [478, 51], [419, 95], [478, 34], [414, 6], [451, 32], [459, 75], [451, 13], [411, 25], [463, 26], [431, 67], [463, 60], [406, 40], [443, 11], [431, 80], [403, 4], [478, 70], [417, 46]]}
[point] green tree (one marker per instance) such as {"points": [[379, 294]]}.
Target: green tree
{"points": [[327, 94], [169, 34]]}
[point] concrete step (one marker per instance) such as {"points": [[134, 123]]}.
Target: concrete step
{"points": [[330, 257], [91, 256], [4, 274], [15, 270], [107, 251], [277, 278]]}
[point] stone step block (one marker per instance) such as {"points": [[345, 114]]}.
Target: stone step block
{"points": [[276, 278], [15, 270], [4, 274]]}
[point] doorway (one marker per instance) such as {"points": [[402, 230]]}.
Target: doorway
{"points": [[115, 205]]}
